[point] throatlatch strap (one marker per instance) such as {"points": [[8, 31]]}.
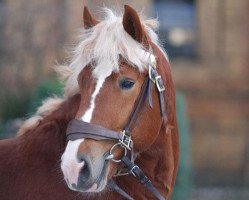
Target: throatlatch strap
{"points": [[138, 173]]}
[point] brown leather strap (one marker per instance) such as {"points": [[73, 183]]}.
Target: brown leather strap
{"points": [[156, 78], [162, 104], [145, 98], [139, 106], [139, 174], [78, 129]]}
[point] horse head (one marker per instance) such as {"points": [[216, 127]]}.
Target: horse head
{"points": [[110, 70]]}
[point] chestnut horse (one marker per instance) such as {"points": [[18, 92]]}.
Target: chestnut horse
{"points": [[103, 82]]}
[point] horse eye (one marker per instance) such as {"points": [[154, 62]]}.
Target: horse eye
{"points": [[126, 84]]}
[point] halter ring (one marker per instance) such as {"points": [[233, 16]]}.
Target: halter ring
{"points": [[113, 147]]}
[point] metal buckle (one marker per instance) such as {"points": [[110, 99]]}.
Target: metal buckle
{"points": [[152, 78], [159, 83], [126, 140], [157, 79]]}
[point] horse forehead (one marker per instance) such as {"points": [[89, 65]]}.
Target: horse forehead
{"points": [[94, 81], [93, 91]]}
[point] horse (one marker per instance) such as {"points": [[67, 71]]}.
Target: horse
{"points": [[75, 146]]}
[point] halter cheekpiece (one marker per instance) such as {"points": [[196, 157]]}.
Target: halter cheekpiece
{"points": [[78, 129]]}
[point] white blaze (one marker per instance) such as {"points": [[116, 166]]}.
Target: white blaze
{"points": [[89, 112], [70, 164]]}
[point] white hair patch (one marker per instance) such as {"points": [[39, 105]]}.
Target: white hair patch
{"points": [[102, 46], [88, 114]]}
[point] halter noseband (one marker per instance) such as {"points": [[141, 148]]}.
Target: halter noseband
{"points": [[78, 129]]}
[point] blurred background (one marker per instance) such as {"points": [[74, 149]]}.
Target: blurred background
{"points": [[208, 45]]}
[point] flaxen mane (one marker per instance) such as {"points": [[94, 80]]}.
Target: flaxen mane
{"points": [[101, 46]]}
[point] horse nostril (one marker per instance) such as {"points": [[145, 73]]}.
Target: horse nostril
{"points": [[74, 186], [81, 160], [84, 173]]}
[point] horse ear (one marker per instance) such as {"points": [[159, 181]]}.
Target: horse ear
{"points": [[132, 24], [88, 20]]}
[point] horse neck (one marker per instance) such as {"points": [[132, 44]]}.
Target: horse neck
{"points": [[159, 161], [156, 162], [48, 139]]}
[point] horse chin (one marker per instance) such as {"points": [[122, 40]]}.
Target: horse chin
{"points": [[98, 184], [98, 187], [95, 188]]}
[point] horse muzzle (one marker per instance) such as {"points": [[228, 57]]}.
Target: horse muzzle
{"points": [[86, 173]]}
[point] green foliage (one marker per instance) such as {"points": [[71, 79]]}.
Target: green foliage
{"points": [[14, 105], [17, 104], [46, 88], [1, 128], [20, 103], [183, 185]]}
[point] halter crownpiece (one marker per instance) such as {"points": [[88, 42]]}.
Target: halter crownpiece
{"points": [[78, 129]]}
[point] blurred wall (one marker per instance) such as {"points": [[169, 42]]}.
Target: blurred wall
{"points": [[31, 38], [140, 5], [216, 85]]}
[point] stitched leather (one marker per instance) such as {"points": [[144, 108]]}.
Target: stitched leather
{"points": [[78, 129]]}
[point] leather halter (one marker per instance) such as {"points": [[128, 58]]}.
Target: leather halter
{"points": [[78, 129]]}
